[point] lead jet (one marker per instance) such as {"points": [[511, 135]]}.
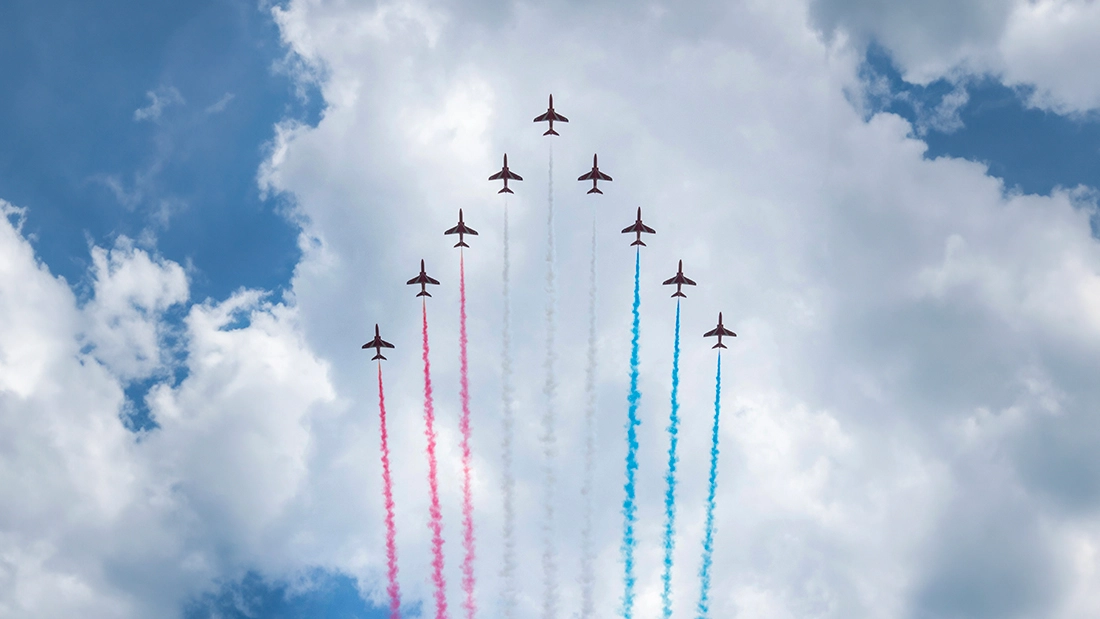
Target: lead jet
{"points": [[460, 230], [680, 280], [423, 280], [377, 344], [550, 116], [719, 331], [639, 228], [505, 174], [594, 175]]}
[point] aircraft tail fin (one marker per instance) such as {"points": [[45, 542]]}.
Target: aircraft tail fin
{"points": [[595, 190], [679, 294], [506, 190], [378, 356], [638, 242]]}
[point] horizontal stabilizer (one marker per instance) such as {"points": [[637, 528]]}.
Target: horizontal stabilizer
{"points": [[679, 294], [424, 293], [378, 356], [638, 242], [719, 345], [551, 132], [461, 244], [594, 190], [506, 190]]}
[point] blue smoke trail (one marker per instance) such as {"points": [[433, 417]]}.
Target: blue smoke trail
{"points": [[670, 478], [629, 508], [708, 537]]}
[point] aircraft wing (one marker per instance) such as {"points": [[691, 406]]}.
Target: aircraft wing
{"points": [[603, 177], [415, 280], [631, 228], [688, 282], [587, 176], [543, 118], [385, 344], [512, 175], [471, 231], [646, 228], [453, 230], [672, 280], [430, 280], [712, 332], [497, 176]]}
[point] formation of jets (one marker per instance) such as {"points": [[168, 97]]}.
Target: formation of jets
{"points": [[595, 175]]}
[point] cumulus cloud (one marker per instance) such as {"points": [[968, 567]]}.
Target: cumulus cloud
{"points": [[907, 406], [158, 100], [1041, 46]]}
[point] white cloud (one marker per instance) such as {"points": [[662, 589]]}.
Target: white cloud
{"points": [[219, 106], [1044, 46], [158, 100]]}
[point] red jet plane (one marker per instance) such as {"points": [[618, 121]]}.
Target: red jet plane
{"points": [[505, 174], [377, 344], [639, 228], [550, 116], [594, 175], [719, 331], [423, 280], [460, 230], [680, 280]]}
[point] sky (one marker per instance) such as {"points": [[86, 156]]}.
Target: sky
{"points": [[209, 205]]}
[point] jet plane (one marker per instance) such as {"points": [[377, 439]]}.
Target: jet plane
{"points": [[423, 280], [377, 344], [639, 228], [594, 175], [550, 116], [680, 280], [505, 174], [461, 229], [719, 331]]}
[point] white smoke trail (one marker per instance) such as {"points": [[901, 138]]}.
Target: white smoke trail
{"points": [[587, 578], [548, 438], [508, 481]]}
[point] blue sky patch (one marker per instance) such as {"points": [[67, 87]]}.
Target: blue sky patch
{"points": [[981, 119], [332, 596]]}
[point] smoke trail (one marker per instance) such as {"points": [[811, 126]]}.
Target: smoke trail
{"points": [[549, 441], [436, 513], [393, 589], [508, 480], [670, 478], [712, 487], [629, 508], [587, 577], [464, 426]]}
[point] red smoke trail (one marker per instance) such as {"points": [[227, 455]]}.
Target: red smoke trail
{"points": [[464, 425], [393, 589], [436, 513]]}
